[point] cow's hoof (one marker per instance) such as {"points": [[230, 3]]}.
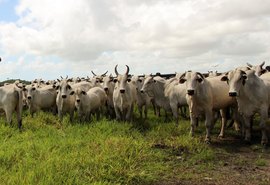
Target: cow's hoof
{"points": [[220, 136]]}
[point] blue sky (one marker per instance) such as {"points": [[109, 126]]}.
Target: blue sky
{"points": [[48, 38], [7, 10]]}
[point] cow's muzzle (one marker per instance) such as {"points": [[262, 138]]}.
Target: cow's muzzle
{"points": [[122, 91], [142, 91], [64, 96], [78, 100], [232, 94], [29, 97], [190, 92], [106, 89]]}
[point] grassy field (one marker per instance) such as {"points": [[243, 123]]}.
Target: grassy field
{"points": [[110, 152]]}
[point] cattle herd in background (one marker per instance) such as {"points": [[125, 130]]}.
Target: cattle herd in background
{"points": [[239, 93]]}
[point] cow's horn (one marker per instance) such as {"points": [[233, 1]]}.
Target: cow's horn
{"points": [[200, 74], [93, 73], [262, 63], [104, 73], [115, 70], [127, 69]]}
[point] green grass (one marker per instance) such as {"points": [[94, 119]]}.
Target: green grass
{"points": [[102, 152]]}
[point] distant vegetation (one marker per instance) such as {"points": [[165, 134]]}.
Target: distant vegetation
{"points": [[10, 81]]}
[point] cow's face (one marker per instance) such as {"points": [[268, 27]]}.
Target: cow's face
{"points": [[148, 84], [192, 80], [258, 68], [236, 79], [121, 80], [108, 83], [64, 89], [29, 91], [79, 95], [138, 81]]}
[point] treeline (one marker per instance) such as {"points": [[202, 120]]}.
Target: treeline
{"points": [[10, 81]]}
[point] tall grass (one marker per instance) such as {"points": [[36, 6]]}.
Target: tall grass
{"points": [[100, 152]]}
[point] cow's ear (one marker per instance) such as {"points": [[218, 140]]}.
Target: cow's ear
{"points": [[69, 87], [83, 92], [200, 80], [263, 71], [182, 80], [57, 87], [71, 93], [224, 78], [244, 78]]}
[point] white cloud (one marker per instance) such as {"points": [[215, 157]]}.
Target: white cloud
{"points": [[150, 36]]}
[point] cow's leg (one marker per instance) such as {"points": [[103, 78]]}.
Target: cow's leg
{"points": [[60, 114], [223, 122], [183, 112], [264, 118], [174, 108], [9, 116], [145, 111], [193, 121], [71, 113], [140, 107], [129, 113], [208, 124], [247, 128], [19, 118], [117, 113]]}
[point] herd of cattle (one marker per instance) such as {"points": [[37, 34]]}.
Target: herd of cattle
{"points": [[240, 93]]}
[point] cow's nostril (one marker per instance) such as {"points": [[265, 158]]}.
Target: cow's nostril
{"points": [[106, 89], [64, 96], [233, 94], [122, 90], [29, 97], [78, 101], [142, 91], [190, 92]]}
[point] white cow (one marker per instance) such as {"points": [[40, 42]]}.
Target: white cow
{"points": [[257, 68], [89, 102], [154, 87], [43, 98], [108, 86], [176, 93], [142, 99], [205, 96], [66, 102], [10, 101], [124, 96], [252, 95]]}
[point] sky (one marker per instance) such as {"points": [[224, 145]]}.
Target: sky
{"points": [[52, 38]]}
